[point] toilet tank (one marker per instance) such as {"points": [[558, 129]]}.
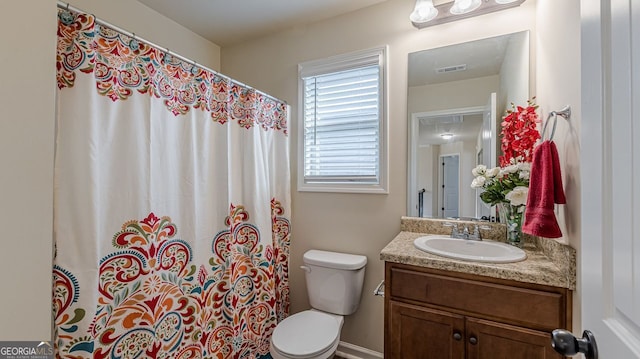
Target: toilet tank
{"points": [[334, 280]]}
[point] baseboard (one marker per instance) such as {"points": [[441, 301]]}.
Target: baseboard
{"points": [[351, 351]]}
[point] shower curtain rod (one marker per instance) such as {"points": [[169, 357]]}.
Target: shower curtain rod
{"points": [[67, 6]]}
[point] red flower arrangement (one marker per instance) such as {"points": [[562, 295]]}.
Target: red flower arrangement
{"points": [[519, 134]]}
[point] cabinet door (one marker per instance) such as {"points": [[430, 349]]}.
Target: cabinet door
{"points": [[491, 340], [423, 333]]}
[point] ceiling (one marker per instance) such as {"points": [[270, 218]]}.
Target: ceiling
{"points": [[482, 58], [228, 22]]}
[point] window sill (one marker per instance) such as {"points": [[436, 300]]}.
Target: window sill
{"points": [[343, 188]]}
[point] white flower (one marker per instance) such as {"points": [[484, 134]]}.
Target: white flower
{"points": [[518, 196], [480, 170], [524, 175], [524, 166], [493, 172], [511, 169], [478, 182]]}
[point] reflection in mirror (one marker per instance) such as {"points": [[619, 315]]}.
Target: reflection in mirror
{"points": [[456, 98]]}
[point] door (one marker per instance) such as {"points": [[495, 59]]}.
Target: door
{"points": [[411, 326], [450, 185], [491, 340], [490, 132], [610, 173]]}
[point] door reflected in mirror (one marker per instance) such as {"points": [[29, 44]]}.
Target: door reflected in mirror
{"points": [[457, 96]]}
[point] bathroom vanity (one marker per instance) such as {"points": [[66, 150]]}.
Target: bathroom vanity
{"points": [[436, 307]]}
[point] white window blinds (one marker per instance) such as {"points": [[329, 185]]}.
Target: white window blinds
{"points": [[343, 120]]}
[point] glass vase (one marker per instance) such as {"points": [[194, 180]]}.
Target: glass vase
{"points": [[512, 217]]}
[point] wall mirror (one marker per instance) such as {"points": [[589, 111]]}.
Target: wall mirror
{"points": [[456, 98]]}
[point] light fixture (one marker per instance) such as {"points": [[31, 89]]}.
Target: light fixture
{"points": [[464, 6], [423, 12], [447, 136], [426, 14]]}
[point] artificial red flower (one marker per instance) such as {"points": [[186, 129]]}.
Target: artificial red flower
{"points": [[519, 133]]}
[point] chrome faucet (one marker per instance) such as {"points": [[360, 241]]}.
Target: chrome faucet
{"points": [[465, 233]]}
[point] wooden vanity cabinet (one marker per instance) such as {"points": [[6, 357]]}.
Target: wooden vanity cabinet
{"points": [[440, 314]]}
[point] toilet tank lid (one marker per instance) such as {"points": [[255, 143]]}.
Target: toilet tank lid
{"points": [[334, 260]]}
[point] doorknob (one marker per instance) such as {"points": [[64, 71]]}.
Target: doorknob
{"points": [[566, 343]]}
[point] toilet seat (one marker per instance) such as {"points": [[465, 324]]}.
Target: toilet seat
{"points": [[306, 334]]}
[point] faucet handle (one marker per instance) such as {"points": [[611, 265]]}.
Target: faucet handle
{"points": [[477, 228], [454, 229]]}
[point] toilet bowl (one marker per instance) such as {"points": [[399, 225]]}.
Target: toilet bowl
{"points": [[334, 285], [310, 334]]}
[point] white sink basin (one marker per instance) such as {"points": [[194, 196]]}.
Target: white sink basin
{"points": [[474, 251]]}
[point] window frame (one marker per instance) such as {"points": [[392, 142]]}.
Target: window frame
{"points": [[336, 64]]}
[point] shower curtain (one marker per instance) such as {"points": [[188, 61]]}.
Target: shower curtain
{"points": [[172, 200]]}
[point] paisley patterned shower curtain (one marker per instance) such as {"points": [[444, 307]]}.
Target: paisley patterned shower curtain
{"points": [[171, 204]]}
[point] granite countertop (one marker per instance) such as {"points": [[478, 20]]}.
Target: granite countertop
{"points": [[548, 262]]}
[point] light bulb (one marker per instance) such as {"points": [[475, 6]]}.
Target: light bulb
{"points": [[464, 6], [423, 12], [447, 136]]}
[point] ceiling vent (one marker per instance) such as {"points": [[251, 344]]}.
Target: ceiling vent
{"points": [[456, 68]]}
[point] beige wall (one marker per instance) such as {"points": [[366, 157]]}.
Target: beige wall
{"points": [[425, 164], [356, 223], [450, 95], [558, 77], [27, 98]]}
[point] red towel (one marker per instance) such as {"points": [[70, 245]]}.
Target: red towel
{"points": [[545, 189]]}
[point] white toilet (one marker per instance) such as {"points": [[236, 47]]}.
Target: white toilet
{"points": [[334, 284]]}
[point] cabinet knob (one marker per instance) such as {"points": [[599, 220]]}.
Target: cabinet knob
{"points": [[457, 336], [473, 340]]}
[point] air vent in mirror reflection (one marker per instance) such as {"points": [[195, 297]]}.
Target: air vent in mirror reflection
{"points": [[448, 69]]}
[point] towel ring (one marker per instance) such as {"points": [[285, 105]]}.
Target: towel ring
{"points": [[564, 113]]}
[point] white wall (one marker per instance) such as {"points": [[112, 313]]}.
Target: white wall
{"points": [[513, 74], [27, 98], [357, 223], [559, 81]]}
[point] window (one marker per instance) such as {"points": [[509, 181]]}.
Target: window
{"points": [[342, 145]]}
